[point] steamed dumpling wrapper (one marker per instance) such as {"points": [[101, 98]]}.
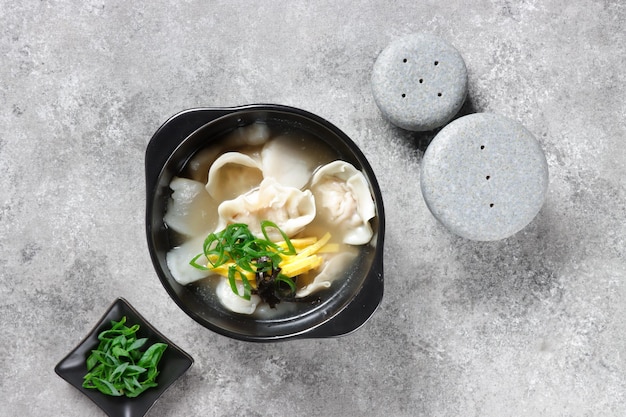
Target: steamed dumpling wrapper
{"points": [[343, 199], [232, 301], [254, 134], [190, 208], [290, 208], [288, 164], [332, 269], [198, 166], [232, 175], [178, 261]]}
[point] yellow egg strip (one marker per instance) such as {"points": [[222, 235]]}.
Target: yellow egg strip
{"points": [[299, 265], [292, 265]]}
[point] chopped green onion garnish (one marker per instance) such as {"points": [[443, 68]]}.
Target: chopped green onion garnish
{"points": [[118, 367], [237, 244]]}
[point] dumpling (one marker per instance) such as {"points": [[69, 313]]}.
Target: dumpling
{"points": [[343, 199], [252, 134], [290, 208], [198, 166], [190, 208], [332, 269], [288, 164], [232, 301], [233, 174], [178, 262], [255, 134]]}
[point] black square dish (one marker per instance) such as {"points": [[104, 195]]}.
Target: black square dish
{"points": [[174, 363]]}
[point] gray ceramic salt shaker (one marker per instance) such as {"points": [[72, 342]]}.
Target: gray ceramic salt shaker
{"points": [[484, 177], [419, 82]]}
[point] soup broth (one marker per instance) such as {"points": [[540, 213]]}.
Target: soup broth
{"points": [[229, 170]]}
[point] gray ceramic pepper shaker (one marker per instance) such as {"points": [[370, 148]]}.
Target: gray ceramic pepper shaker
{"points": [[419, 82], [484, 177]]}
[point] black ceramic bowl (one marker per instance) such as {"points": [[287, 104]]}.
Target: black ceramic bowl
{"points": [[340, 310]]}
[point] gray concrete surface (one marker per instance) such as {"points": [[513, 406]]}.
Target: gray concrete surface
{"points": [[533, 325]]}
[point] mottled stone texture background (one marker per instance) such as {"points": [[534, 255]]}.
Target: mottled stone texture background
{"points": [[533, 325]]}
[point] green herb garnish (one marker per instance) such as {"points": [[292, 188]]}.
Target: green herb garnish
{"points": [[119, 366], [239, 247]]}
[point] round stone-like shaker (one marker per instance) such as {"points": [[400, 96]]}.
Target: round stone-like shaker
{"points": [[484, 177], [419, 82]]}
